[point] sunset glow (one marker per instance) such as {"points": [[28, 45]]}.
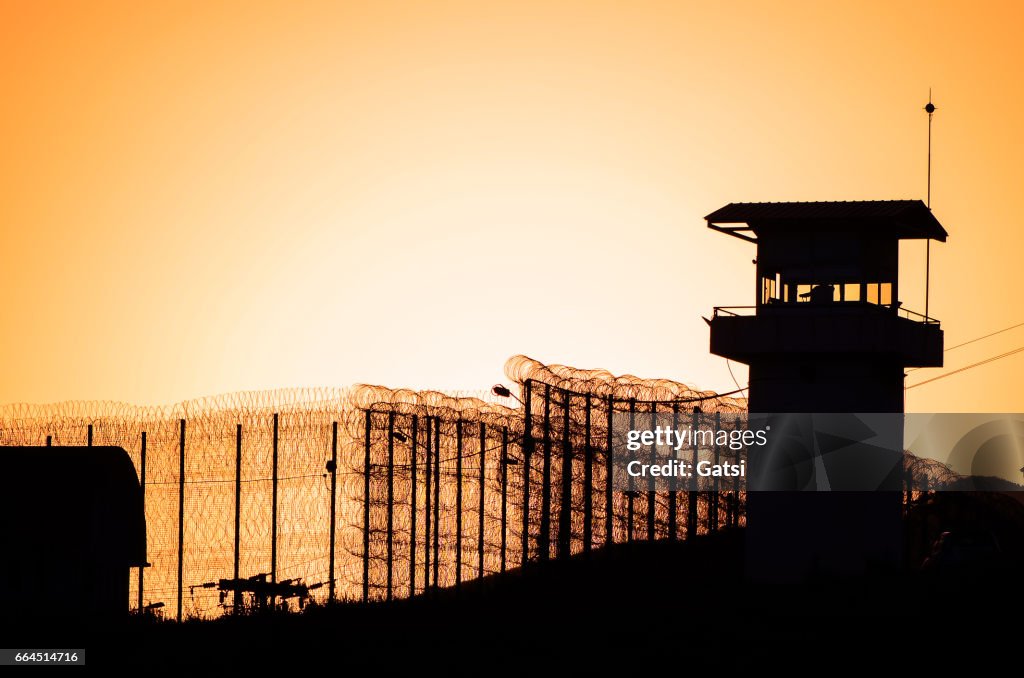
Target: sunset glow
{"points": [[205, 197]]}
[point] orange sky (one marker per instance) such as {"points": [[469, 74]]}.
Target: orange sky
{"points": [[201, 197]]}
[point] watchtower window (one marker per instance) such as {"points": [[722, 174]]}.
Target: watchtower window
{"points": [[770, 289], [877, 293], [824, 293]]}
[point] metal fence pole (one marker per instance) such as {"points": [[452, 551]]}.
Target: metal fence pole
{"points": [[437, 496], [273, 516], [181, 511], [334, 509], [691, 495], [480, 526], [713, 510], [366, 509], [673, 500], [142, 485], [565, 504], [504, 495], [588, 480], [652, 495], [391, 502], [426, 503], [609, 495], [527, 463], [238, 515], [736, 490], [544, 545], [631, 493], [412, 509], [458, 503]]}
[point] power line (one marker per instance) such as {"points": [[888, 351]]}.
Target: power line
{"points": [[1005, 329], [1019, 349], [971, 341], [728, 363]]}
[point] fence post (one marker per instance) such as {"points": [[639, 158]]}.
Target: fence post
{"points": [[609, 495], [652, 495], [713, 511], [736, 489], [480, 526], [49, 441], [588, 480], [238, 515], [142, 485], [88, 436], [437, 494], [458, 503], [565, 505], [181, 509], [544, 545], [273, 519], [691, 495], [412, 509], [391, 501], [504, 494], [631, 490], [426, 505], [334, 509], [366, 509], [673, 500], [527, 462]]}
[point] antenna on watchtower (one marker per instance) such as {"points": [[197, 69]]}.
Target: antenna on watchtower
{"points": [[930, 109]]}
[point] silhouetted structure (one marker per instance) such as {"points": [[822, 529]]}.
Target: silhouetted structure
{"points": [[228, 481], [72, 526], [827, 334], [208, 484]]}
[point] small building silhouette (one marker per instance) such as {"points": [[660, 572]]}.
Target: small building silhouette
{"points": [[72, 526], [827, 334]]}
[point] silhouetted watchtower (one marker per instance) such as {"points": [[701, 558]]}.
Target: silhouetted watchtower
{"points": [[827, 333]]}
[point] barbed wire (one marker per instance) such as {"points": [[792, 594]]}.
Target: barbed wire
{"points": [[433, 488]]}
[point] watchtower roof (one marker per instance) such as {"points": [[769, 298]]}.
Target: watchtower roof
{"points": [[902, 219]]}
